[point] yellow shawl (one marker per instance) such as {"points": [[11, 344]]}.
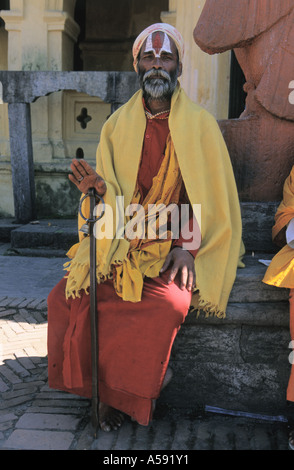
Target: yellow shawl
{"points": [[207, 173], [280, 272]]}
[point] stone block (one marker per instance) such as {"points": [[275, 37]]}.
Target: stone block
{"points": [[24, 439], [248, 286], [257, 221], [58, 234], [240, 387], [47, 421], [116, 87], [6, 227], [239, 363]]}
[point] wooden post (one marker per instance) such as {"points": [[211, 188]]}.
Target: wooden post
{"points": [[22, 165]]}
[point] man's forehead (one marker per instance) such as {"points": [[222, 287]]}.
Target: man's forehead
{"points": [[158, 42]]}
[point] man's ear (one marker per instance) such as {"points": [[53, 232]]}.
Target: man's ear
{"points": [[180, 69]]}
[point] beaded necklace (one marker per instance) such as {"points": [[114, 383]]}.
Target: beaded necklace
{"points": [[152, 116]]}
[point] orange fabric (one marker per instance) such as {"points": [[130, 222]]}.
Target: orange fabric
{"points": [[290, 388], [285, 210], [280, 272], [134, 344], [153, 150]]}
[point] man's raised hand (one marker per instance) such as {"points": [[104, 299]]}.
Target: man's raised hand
{"points": [[85, 177]]}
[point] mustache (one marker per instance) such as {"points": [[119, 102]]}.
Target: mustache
{"points": [[154, 73]]}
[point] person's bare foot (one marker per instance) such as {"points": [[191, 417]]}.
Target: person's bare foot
{"points": [[109, 418]]}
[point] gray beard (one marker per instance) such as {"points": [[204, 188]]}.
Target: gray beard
{"points": [[160, 88]]}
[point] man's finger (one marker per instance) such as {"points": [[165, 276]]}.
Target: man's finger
{"points": [[78, 171], [184, 277], [81, 167], [88, 169], [173, 273], [190, 284], [73, 179]]}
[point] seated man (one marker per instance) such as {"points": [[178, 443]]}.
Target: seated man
{"points": [[280, 273], [157, 149]]}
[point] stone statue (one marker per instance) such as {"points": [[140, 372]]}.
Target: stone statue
{"points": [[261, 141]]}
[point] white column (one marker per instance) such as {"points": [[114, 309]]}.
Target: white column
{"points": [[62, 34], [41, 34]]}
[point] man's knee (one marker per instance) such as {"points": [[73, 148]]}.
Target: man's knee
{"points": [[179, 301]]}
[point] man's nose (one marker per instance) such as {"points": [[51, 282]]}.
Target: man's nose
{"points": [[157, 63]]}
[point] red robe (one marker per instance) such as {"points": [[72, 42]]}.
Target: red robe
{"points": [[135, 340]]}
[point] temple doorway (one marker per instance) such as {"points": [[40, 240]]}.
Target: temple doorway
{"points": [[108, 30]]}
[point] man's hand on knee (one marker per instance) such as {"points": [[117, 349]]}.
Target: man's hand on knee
{"points": [[180, 261]]}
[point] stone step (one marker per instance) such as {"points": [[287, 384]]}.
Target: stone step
{"points": [[52, 237], [59, 234], [248, 286], [6, 227]]}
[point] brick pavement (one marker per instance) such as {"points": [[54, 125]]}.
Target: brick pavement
{"points": [[34, 417], [31, 415]]}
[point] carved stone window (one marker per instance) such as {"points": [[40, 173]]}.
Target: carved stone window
{"points": [[84, 118]]}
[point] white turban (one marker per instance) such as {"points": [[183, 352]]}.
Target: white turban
{"points": [[165, 28]]}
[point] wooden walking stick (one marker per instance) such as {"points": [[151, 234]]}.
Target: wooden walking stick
{"points": [[88, 228]]}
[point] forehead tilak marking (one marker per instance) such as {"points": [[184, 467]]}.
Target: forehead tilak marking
{"points": [[157, 44]]}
